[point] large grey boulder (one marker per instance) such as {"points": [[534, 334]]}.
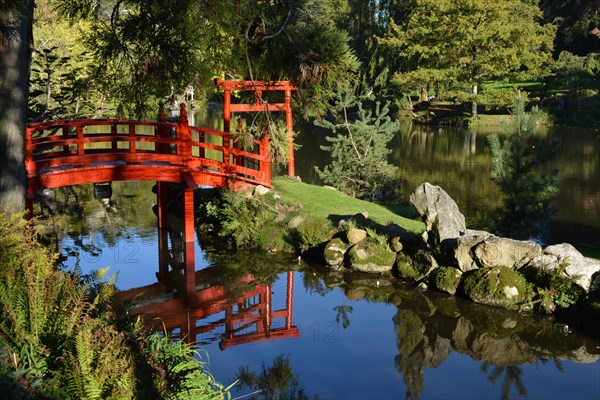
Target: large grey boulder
{"points": [[476, 249], [462, 252], [443, 220], [570, 263], [495, 251]]}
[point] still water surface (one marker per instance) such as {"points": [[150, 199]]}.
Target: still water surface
{"points": [[458, 160], [309, 332], [286, 328]]}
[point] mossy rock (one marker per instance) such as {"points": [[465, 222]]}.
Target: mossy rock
{"points": [[416, 268], [446, 279], [496, 286], [335, 251], [371, 256], [406, 269]]}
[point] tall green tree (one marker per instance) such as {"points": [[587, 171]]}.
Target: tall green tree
{"points": [[577, 21], [366, 21], [578, 75], [155, 48], [62, 82], [471, 41]]}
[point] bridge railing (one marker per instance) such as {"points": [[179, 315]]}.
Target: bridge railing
{"points": [[69, 144]]}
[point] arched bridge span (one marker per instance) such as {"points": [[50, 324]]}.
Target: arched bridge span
{"points": [[72, 152]]}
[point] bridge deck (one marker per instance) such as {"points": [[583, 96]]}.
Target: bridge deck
{"points": [[72, 152]]}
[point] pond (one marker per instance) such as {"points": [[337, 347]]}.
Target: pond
{"points": [[285, 328], [282, 326], [458, 159]]}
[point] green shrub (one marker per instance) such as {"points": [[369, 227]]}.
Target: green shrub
{"points": [[240, 217], [312, 232], [180, 372], [555, 287], [359, 150]]}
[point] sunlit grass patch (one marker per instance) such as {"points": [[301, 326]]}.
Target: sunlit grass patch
{"points": [[323, 202]]}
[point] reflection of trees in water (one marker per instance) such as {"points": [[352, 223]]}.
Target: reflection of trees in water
{"points": [[511, 377], [73, 212], [342, 313], [419, 349], [409, 331], [277, 381], [429, 327], [231, 266], [314, 283]]}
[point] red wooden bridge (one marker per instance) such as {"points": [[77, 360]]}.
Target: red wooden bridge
{"points": [[73, 152]]}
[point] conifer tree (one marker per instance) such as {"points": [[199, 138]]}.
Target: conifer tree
{"points": [[359, 149]]}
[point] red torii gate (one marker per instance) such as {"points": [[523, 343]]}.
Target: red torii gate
{"points": [[260, 106]]}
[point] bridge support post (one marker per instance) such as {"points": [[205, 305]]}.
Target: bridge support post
{"points": [[189, 239], [162, 193]]}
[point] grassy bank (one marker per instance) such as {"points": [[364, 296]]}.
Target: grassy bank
{"points": [[331, 204], [292, 217]]}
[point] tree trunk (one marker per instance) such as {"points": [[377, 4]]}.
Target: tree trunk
{"points": [[16, 42], [474, 102], [423, 94]]}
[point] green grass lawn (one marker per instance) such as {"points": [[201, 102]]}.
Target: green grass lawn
{"points": [[322, 202]]}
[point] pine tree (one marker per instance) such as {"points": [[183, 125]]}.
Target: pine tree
{"points": [[359, 150]]}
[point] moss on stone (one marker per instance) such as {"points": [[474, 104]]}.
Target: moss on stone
{"points": [[371, 256], [496, 286], [335, 251], [406, 269], [446, 279]]}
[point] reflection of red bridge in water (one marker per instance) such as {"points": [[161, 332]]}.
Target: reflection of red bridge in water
{"points": [[242, 318]]}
